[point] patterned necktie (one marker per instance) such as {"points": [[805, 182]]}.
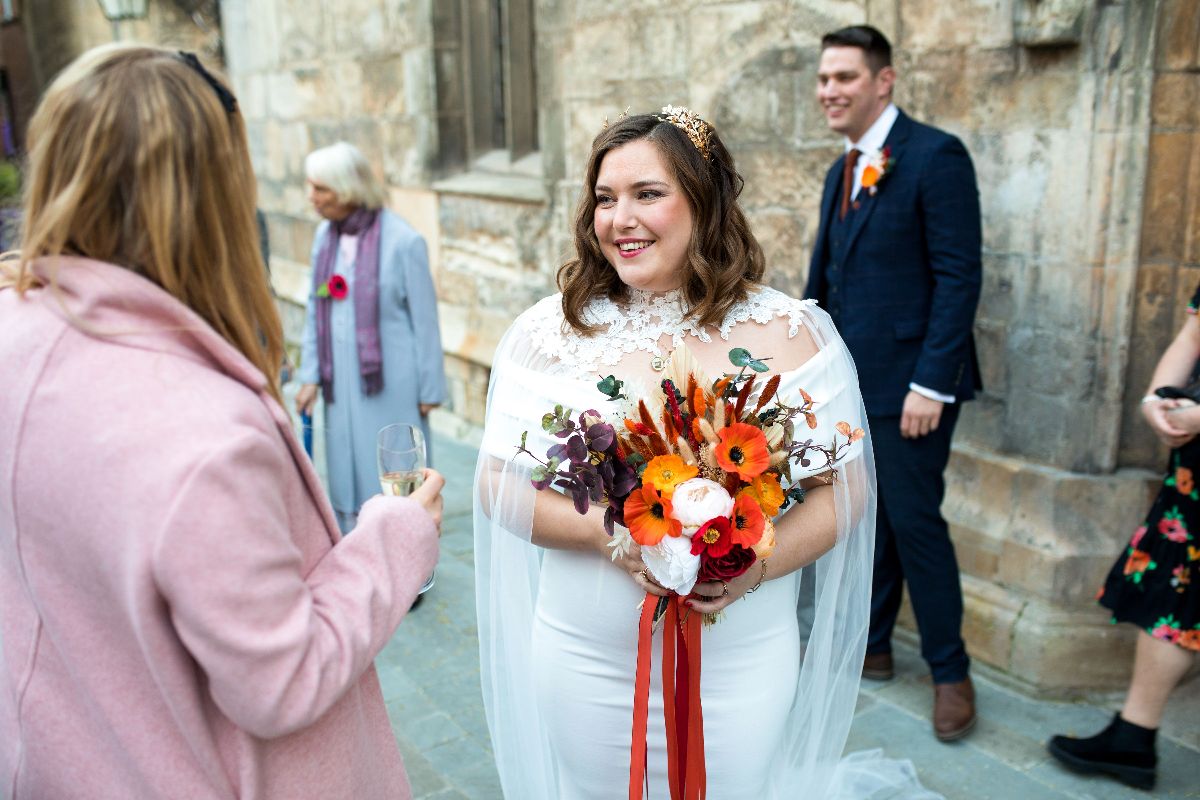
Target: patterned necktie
{"points": [[848, 181]]}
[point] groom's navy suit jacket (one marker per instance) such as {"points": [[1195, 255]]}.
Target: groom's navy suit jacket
{"points": [[903, 285]]}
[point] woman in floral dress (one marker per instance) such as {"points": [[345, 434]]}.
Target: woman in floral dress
{"points": [[1155, 583]]}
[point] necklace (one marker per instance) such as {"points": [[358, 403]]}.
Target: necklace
{"points": [[666, 308]]}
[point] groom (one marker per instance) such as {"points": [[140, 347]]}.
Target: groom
{"points": [[896, 263]]}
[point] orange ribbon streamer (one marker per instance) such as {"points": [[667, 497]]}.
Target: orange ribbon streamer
{"points": [[682, 714]]}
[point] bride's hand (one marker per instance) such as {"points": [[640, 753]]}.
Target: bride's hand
{"points": [[631, 562], [710, 597]]}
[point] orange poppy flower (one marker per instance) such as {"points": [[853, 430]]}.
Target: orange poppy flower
{"points": [[648, 515], [667, 472], [743, 449], [748, 521], [767, 491]]}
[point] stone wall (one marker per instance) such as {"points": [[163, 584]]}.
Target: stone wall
{"points": [[1080, 117], [1071, 325], [1169, 258], [59, 30], [48, 34]]}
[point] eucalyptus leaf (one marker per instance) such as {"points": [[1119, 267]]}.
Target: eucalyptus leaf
{"points": [[611, 387], [576, 449], [601, 437], [740, 356], [758, 366]]}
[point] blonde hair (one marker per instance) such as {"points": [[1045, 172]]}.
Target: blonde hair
{"points": [[343, 168], [135, 161]]}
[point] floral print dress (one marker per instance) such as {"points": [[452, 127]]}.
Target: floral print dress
{"points": [[1155, 583]]}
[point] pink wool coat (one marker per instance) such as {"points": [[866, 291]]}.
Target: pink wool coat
{"points": [[179, 617]]}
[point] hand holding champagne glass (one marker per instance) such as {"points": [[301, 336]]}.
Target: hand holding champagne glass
{"points": [[401, 450]]}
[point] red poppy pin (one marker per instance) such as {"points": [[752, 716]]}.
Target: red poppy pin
{"points": [[335, 288]]}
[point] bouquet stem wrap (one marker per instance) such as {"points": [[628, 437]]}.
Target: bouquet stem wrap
{"points": [[682, 711]]}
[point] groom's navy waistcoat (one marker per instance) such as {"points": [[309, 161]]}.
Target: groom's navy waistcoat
{"points": [[900, 275]]}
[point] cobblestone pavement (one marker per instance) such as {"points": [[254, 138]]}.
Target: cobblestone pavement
{"points": [[430, 678]]}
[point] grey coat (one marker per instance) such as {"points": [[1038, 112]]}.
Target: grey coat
{"points": [[412, 360]]}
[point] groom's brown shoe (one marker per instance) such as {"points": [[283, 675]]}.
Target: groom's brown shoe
{"points": [[953, 709], [878, 667]]}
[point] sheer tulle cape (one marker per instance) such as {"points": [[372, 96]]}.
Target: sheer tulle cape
{"points": [[832, 604]]}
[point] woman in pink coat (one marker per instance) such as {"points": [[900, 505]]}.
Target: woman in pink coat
{"points": [[179, 616]]}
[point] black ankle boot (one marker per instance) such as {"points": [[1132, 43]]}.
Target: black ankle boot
{"points": [[1122, 750]]}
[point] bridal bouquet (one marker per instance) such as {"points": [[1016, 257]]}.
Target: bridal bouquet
{"points": [[695, 474]]}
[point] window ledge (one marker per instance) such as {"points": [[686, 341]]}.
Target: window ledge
{"points": [[494, 175]]}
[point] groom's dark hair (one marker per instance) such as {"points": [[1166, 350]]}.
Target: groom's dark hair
{"points": [[875, 46]]}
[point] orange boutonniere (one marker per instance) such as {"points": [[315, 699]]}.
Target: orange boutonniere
{"points": [[879, 164]]}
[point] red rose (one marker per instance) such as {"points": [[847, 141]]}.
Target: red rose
{"points": [[338, 288], [728, 566]]}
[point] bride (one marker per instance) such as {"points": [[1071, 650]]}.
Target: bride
{"points": [[665, 257]]}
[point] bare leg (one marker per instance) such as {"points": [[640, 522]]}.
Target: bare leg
{"points": [[1158, 667]]}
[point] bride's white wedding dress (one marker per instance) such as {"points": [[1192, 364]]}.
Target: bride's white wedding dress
{"points": [[558, 629]]}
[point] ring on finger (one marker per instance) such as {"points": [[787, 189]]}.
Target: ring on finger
{"points": [[724, 589]]}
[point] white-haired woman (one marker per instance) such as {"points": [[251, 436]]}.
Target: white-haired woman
{"points": [[371, 342]]}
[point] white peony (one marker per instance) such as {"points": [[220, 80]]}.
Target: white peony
{"points": [[672, 564], [698, 500]]}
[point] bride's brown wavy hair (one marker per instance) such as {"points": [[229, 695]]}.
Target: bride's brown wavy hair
{"points": [[724, 260], [136, 161]]}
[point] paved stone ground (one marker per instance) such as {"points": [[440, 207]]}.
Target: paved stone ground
{"points": [[430, 679]]}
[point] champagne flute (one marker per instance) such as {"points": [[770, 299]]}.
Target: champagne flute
{"points": [[401, 450]]}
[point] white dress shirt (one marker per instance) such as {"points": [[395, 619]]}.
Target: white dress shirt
{"points": [[870, 142]]}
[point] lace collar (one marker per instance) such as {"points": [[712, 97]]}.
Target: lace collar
{"points": [[638, 323]]}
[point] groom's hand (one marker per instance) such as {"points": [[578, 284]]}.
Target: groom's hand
{"points": [[920, 416]]}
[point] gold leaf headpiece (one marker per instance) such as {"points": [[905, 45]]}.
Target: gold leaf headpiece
{"points": [[690, 123], [622, 116]]}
